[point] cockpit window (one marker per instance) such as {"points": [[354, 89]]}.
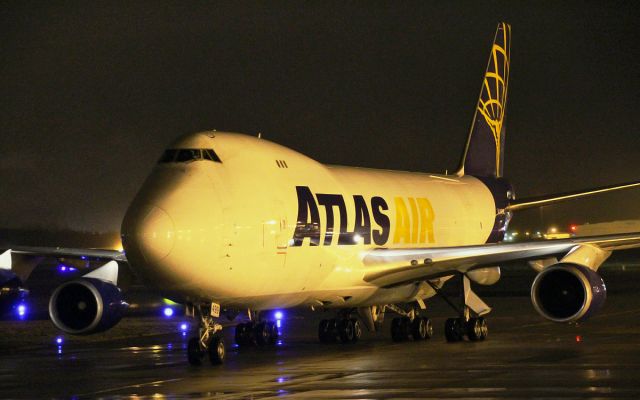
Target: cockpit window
{"points": [[168, 156], [187, 155], [211, 155]]}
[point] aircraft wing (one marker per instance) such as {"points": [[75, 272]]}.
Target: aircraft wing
{"points": [[391, 267], [21, 260]]}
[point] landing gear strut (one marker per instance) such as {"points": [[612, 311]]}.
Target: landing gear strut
{"points": [[209, 340]]}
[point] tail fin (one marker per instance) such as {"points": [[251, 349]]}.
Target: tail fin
{"points": [[484, 152]]}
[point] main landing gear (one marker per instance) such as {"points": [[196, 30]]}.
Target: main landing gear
{"points": [[256, 333], [410, 325], [209, 341], [469, 322], [345, 328]]}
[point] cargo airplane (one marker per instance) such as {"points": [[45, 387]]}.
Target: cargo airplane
{"points": [[228, 224]]}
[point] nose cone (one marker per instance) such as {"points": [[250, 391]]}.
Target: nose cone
{"points": [[154, 234]]}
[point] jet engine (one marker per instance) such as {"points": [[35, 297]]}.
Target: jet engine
{"points": [[86, 305], [568, 292]]}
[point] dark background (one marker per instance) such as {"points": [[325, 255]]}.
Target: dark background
{"points": [[92, 93]]}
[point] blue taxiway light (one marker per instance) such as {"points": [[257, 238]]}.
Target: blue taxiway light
{"points": [[168, 312], [184, 327], [22, 310], [278, 315]]}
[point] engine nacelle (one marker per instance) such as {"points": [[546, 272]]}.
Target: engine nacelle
{"points": [[568, 293], [86, 305]]}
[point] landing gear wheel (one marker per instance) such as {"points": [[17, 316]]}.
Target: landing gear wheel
{"points": [[346, 331], [194, 352], [273, 332], [474, 329], [484, 328], [357, 330], [263, 334], [453, 330], [327, 331], [400, 329], [217, 351], [421, 328], [244, 334]]}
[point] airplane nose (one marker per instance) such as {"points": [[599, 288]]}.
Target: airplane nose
{"points": [[155, 234]]}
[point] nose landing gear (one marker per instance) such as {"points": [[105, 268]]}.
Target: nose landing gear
{"points": [[209, 340]]}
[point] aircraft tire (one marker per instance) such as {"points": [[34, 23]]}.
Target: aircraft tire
{"points": [[400, 329], [453, 330], [324, 331], [243, 335], [484, 328], [273, 332], [357, 330], [217, 352], [474, 329], [421, 328], [346, 331], [262, 333], [194, 353]]}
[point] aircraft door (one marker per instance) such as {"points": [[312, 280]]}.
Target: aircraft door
{"points": [[274, 237]]}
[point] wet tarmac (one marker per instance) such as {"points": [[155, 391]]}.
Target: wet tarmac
{"points": [[525, 357]]}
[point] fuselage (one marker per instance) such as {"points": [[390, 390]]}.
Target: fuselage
{"points": [[255, 224]]}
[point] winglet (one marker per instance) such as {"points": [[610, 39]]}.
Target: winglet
{"points": [[108, 273]]}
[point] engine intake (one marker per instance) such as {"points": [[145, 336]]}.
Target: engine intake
{"points": [[86, 305], [568, 293]]}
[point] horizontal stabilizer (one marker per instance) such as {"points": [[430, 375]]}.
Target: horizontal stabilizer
{"points": [[556, 198]]}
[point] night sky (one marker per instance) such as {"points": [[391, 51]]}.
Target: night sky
{"points": [[92, 93]]}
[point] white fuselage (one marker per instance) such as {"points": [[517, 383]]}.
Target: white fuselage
{"points": [[254, 231]]}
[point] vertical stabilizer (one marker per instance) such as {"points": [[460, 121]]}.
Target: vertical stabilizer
{"points": [[484, 152]]}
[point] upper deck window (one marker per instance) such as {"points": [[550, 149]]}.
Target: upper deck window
{"points": [[188, 155]]}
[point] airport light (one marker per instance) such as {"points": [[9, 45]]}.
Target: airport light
{"points": [[278, 315], [184, 327], [168, 312], [59, 340], [22, 310]]}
